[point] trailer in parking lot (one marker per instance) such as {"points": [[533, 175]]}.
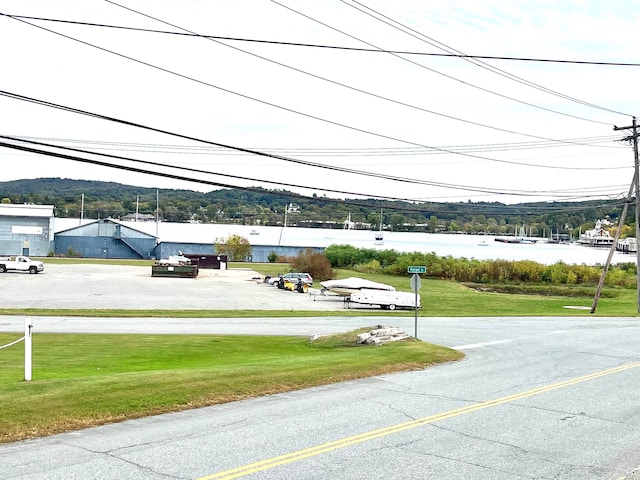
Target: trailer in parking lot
{"points": [[388, 300]]}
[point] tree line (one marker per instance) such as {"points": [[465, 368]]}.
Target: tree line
{"points": [[94, 199]]}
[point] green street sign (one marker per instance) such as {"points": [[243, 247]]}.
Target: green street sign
{"points": [[416, 269]]}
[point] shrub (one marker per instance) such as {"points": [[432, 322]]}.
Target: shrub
{"points": [[477, 271], [73, 253], [617, 276], [556, 273], [272, 257], [346, 256], [315, 263], [371, 267]]}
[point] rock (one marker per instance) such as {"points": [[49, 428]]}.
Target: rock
{"points": [[382, 335]]}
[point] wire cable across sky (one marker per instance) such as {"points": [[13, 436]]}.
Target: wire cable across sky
{"points": [[300, 110]]}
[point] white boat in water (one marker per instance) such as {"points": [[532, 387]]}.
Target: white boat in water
{"points": [[347, 286], [379, 236]]}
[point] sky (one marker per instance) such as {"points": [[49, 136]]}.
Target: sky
{"points": [[386, 112]]}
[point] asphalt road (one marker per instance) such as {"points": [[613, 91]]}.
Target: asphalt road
{"points": [[550, 398]]}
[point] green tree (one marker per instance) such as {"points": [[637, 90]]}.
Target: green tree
{"points": [[397, 222], [235, 247], [433, 224]]}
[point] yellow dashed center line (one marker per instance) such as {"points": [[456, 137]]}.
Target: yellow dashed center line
{"points": [[382, 432]]}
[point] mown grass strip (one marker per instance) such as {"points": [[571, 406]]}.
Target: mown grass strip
{"points": [[86, 380]]}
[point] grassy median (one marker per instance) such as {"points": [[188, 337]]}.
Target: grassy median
{"points": [[87, 380]]}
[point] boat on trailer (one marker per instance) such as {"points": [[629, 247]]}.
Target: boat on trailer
{"points": [[347, 286]]}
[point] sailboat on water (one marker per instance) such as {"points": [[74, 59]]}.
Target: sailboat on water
{"points": [[379, 236], [348, 224]]}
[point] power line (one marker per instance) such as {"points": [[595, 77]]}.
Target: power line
{"points": [[530, 210], [305, 152], [290, 110], [365, 92], [288, 159], [309, 163], [478, 63], [335, 123], [340, 169], [159, 164], [599, 141], [433, 70], [331, 47], [254, 152]]}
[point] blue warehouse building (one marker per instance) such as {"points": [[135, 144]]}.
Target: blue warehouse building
{"points": [[109, 238], [34, 230], [105, 238]]}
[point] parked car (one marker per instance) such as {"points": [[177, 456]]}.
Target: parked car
{"points": [[279, 280]]}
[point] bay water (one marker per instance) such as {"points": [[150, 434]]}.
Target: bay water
{"points": [[481, 247]]}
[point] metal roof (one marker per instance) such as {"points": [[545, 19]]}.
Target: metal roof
{"points": [[210, 232], [26, 210]]}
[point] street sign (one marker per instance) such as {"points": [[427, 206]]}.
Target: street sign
{"points": [[415, 282], [416, 269]]}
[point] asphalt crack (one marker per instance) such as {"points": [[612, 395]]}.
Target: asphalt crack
{"points": [[111, 454]]}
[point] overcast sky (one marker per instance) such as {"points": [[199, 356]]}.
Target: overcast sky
{"points": [[412, 125]]}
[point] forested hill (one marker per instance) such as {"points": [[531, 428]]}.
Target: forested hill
{"points": [[267, 207]]}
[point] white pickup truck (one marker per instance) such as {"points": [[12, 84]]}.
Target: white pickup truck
{"points": [[20, 263]]}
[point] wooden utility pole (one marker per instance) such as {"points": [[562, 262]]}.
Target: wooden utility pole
{"points": [[636, 181], [605, 268]]}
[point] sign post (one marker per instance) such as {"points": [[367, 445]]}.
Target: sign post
{"points": [[416, 283]]}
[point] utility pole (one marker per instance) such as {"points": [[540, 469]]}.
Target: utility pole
{"points": [[612, 250], [636, 180]]}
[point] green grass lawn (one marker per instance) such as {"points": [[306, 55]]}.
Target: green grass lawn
{"points": [[86, 380]]}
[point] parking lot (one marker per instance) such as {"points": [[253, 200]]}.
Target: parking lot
{"points": [[132, 287]]}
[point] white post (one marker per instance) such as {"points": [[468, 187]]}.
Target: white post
{"points": [[27, 349]]}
